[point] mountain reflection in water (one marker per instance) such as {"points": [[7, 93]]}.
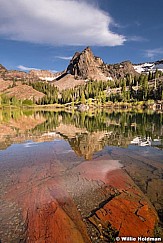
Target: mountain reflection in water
{"points": [[87, 133], [67, 160]]}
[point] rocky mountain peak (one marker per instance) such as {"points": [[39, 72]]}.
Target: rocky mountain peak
{"points": [[84, 65]]}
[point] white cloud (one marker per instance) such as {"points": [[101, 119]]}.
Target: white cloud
{"points": [[24, 68], [64, 57], [152, 53], [57, 22]]}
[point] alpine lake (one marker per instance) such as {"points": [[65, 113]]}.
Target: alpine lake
{"points": [[71, 177]]}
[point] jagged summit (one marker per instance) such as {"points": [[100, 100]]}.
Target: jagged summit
{"points": [[85, 65]]}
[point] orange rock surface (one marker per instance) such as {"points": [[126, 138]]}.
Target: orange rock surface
{"points": [[50, 213], [128, 211]]}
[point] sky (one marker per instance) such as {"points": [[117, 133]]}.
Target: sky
{"points": [[45, 34]]}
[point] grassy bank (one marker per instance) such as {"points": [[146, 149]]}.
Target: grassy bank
{"points": [[91, 105]]}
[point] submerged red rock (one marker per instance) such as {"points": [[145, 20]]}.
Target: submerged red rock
{"points": [[48, 210], [128, 210], [55, 197]]}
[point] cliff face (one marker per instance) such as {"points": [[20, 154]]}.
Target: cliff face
{"points": [[85, 65]]}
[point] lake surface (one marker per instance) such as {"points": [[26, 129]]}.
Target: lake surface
{"points": [[59, 170]]}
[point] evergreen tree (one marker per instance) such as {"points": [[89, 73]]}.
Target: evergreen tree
{"points": [[156, 73], [145, 86], [150, 76], [82, 98]]}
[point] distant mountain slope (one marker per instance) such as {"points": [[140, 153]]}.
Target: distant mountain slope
{"points": [[44, 75], [68, 81], [23, 92], [4, 84], [19, 91]]}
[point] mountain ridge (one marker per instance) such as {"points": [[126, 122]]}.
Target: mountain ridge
{"points": [[84, 66]]}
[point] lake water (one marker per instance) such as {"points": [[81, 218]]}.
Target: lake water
{"points": [[63, 161]]}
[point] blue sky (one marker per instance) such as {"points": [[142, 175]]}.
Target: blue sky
{"points": [[44, 34]]}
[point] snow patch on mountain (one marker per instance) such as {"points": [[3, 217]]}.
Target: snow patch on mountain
{"points": [[149, 67], [50, 79]]}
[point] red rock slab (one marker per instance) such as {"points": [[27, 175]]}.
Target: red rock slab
{"points": [[123, 214], [51, 214], [129, 212], [47, 209], [50, 223], [119, 179]]}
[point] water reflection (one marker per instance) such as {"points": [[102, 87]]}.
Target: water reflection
{"points": [[87, 133]]}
